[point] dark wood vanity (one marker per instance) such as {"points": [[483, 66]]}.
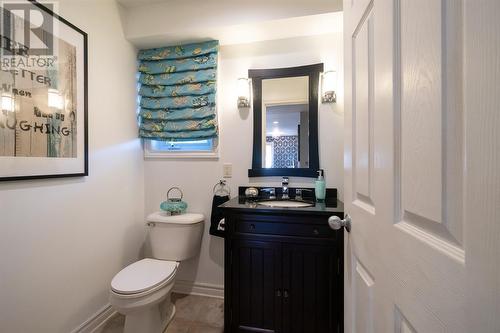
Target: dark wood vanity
{"points": [[283, 268]]}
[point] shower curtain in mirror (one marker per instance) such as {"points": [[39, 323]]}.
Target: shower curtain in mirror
{"points": [[178, 92]]}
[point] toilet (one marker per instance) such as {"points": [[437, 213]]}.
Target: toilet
{"points": [[141, 291]]}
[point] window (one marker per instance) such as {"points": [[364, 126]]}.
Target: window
{"points": [[181, 149], [197, 145]]}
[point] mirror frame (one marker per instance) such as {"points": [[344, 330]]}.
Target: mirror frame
{"points": [[257, 75]]}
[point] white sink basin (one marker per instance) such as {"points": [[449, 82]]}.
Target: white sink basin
{"points": [[285, 204]]}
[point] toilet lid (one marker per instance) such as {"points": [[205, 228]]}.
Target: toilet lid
{"points": [[164, 217], [143, 275]]}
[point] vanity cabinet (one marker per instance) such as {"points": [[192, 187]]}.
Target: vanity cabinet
{"points": [[283, 273]]}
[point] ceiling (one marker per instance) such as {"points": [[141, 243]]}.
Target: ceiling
{"points": [[156, 23], [332, 4], [135, 3]]}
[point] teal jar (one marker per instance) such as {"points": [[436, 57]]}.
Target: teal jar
{"points": [[174, 205]]}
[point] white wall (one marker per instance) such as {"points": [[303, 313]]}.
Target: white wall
{"points": [[61, 241], [197, 177], [285, 89]]}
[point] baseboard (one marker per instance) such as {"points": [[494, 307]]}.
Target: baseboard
{"points": [[97, 321], [201, 289]]}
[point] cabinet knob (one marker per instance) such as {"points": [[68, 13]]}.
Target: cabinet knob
{"points": [[285, 293], [252, 226], [278, 293], [316, 232]]}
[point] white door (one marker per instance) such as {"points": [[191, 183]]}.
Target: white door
{"points": [[417, 135]]}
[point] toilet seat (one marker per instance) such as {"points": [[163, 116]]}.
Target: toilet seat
{"points": [[143, 276]]}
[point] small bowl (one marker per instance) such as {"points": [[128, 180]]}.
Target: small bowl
{"points": [[251, 192]]}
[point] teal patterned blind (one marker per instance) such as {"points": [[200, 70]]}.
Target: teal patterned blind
{"points": [[178, 92]]}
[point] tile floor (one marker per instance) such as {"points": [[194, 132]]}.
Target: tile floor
{"points": [[195, 314]]}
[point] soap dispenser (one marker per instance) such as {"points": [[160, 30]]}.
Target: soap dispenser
{"points": [[320, 186]]}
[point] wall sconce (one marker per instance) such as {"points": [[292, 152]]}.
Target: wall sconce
{"points": [[55, 100], [328, 87], [8, 103], [243, 93]]}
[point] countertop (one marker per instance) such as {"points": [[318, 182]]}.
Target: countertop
{"points": [[331, 207]]}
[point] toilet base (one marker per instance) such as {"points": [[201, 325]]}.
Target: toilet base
{"points": [[152, 319]]}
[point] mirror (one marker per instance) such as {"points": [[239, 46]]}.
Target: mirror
{"points": [[285, 106], [285, 122]]}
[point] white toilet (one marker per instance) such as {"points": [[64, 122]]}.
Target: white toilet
{"points": [[141, 291]]}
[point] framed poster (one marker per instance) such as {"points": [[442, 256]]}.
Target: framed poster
{"points": [[43, 81]]}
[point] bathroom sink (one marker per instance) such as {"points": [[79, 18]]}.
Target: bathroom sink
{"points": [[286, 203]]}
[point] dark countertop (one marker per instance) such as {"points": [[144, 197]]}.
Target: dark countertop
{"points": [[331, 207]]}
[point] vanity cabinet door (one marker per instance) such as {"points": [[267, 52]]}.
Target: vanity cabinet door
{"points": [[312, 289], [256, 286]]}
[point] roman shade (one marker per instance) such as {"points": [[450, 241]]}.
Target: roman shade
{"points": [[178, 92]]}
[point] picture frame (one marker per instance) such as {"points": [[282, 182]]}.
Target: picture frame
{"points": [[44, 93]]}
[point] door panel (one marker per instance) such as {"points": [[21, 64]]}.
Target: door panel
{"points": [[405, 259], [308, 292], [362, 113], [402, 324], [482, 101], [256, 273], [430, 142], [363, 295]]}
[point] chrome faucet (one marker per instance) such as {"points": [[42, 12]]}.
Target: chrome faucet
{"points": [[284, 186], [299, 192]]}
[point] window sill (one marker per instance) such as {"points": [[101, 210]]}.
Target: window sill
{"points": [[171, 155]]}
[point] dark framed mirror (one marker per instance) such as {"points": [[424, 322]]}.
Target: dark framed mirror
{"points": [[285, 121]]}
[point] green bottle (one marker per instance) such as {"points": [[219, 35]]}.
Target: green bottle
{"points": [[320, 186]]}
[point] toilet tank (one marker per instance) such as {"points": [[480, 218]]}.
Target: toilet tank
{"points": [[175, 237]]}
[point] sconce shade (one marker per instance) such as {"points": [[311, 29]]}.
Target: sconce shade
{"points": [[329, 87], [243, 93], [7, 103]]}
